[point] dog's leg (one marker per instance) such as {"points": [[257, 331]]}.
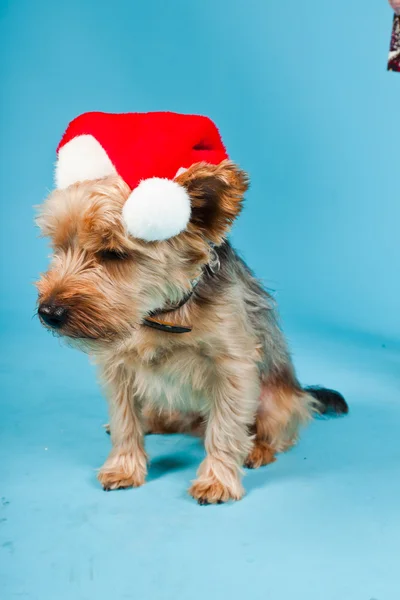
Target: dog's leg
{"points": [[126, 465], [227, 440], [283, 408], [260, 455]]}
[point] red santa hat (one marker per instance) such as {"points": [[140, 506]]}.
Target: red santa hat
{"points": [[148, 151]]}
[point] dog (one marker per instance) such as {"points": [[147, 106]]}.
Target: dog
{"points": [[184, 336]]}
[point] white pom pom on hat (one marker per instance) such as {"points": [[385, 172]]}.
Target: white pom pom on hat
{"points": [[157, 209], [147, 150]]}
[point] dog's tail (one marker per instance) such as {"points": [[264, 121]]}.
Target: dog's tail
{"points": [[329, 401]]}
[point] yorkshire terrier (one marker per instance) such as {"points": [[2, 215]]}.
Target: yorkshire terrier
{"points": [[184, 336]]}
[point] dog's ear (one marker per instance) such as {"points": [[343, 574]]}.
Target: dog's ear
{"points": [[216, 194]]}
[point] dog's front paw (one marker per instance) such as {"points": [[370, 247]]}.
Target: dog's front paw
{"points": [[122, 471], [212, 491]]}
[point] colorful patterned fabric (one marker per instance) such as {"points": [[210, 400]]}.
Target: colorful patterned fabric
{"points": [[394, 54]]}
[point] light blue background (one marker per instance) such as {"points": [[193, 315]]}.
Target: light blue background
{"points": [[303, 100]]}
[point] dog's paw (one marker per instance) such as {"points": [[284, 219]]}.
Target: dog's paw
{"points": [[261, 454], [214, 492], [121, 471]]}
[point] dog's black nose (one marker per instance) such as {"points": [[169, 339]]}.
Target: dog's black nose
{"points": [[53, 315]]}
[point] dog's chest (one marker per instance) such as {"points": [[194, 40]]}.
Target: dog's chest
{"points": [[175, 376]]}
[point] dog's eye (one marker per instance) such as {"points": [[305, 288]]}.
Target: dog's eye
{"points": [[112, 255]]}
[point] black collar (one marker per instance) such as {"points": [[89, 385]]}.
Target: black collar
{"points": [[155, 323], [152, 321]]}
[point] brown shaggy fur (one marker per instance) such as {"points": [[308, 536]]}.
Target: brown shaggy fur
{"points": [[231, 379]]}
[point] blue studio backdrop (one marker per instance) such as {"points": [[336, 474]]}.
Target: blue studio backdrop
{"points": [[302, 99], [304, 103]]}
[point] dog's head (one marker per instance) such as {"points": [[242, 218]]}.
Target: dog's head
{"points": [[102, 282]]}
